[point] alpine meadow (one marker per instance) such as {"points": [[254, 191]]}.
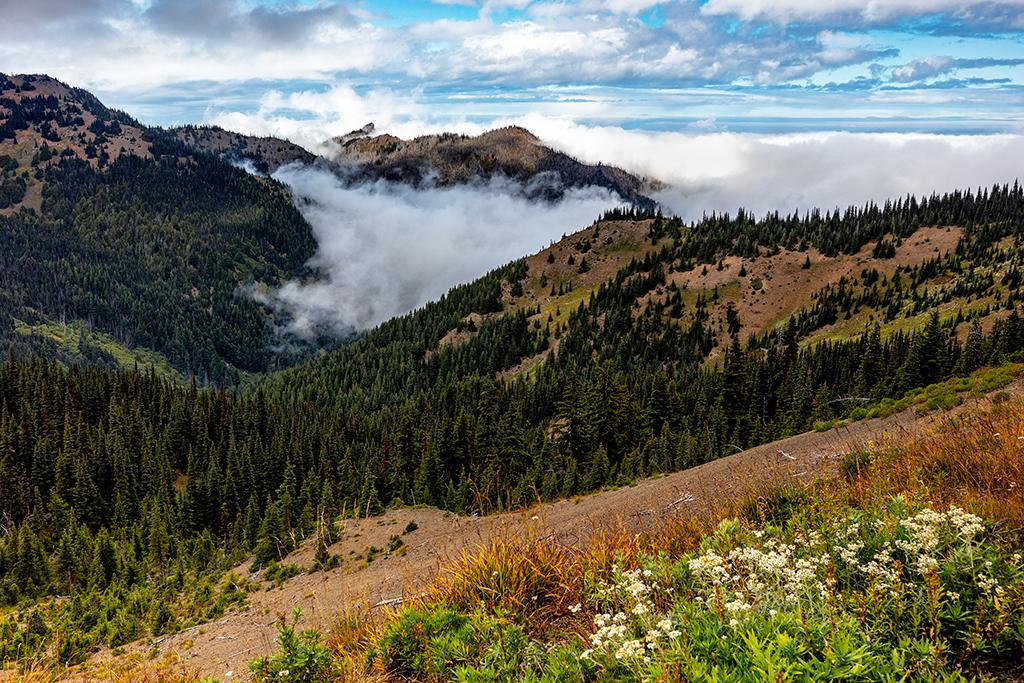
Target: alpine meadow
{"points": [[511, 340]]}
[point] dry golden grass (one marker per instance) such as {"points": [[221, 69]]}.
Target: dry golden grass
{"points": [[348, 640], [976, 461], [537, 581], [534, 580], [113, 672]]}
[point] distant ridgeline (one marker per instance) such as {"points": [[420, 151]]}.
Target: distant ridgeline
{"points": [[121, 484]]}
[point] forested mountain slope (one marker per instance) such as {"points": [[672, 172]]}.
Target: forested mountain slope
{"points": [[629, 349], [116, 237]]}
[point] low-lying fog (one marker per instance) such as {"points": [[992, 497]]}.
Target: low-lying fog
{"points": [[386, 249]]}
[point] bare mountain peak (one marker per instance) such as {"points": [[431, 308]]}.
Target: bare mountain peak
{"points": [[452, 158], [356, 134]]}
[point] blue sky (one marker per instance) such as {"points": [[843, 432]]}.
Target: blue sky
{"points": [[950, 66]]}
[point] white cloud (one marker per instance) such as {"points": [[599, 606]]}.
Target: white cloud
{"points": [[333, 112], [632, 6], [386, 249], [724, 171], [922, 68], [868, 11]]}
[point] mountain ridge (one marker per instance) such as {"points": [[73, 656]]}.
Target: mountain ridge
{"points": [[53, 136], [512, 152]]}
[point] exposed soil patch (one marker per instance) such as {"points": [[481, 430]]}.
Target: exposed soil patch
{"points": [[772, 288]]}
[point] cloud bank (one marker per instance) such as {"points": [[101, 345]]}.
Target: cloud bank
{"points": [[386, 248], [724, 171]]}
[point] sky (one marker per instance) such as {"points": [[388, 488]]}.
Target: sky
{"points": [[947, 66]]}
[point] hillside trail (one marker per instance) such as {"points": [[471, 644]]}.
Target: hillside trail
{"points": [[227, 644]]}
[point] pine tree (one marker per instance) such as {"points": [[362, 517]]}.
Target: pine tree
{"points": [[972, 356]]}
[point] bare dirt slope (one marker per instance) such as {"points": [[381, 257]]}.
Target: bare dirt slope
{"points": [[229, 643]]}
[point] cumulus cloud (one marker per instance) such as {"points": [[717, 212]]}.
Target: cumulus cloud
{"points": [[222, 20], [324, 114], [938, 65], [385, 248], [89, 21]]}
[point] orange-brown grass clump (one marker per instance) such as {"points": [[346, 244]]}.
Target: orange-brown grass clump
{"points": [[532, 579], [975, 461], [111, 672], [348, 641], [536, 581]]}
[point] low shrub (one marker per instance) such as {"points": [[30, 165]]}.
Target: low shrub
{"points": [[301, 657]]}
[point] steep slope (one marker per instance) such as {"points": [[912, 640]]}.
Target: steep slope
{"points": [[267, 154], [439, 540], [116, 237], [44, 119], [642, 344], [511, 152]]}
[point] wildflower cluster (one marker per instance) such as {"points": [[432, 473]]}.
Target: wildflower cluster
{"points": [[921, 544], [868, 576], [634, 633], [767, 572]]}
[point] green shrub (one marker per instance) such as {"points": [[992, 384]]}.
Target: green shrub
{"points": [[301, 657], [423, 643], [854, 463], [776, 506], [394, 543], [276, 574]]}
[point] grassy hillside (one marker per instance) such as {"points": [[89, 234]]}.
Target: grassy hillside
{"points": [[904, 567]]}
